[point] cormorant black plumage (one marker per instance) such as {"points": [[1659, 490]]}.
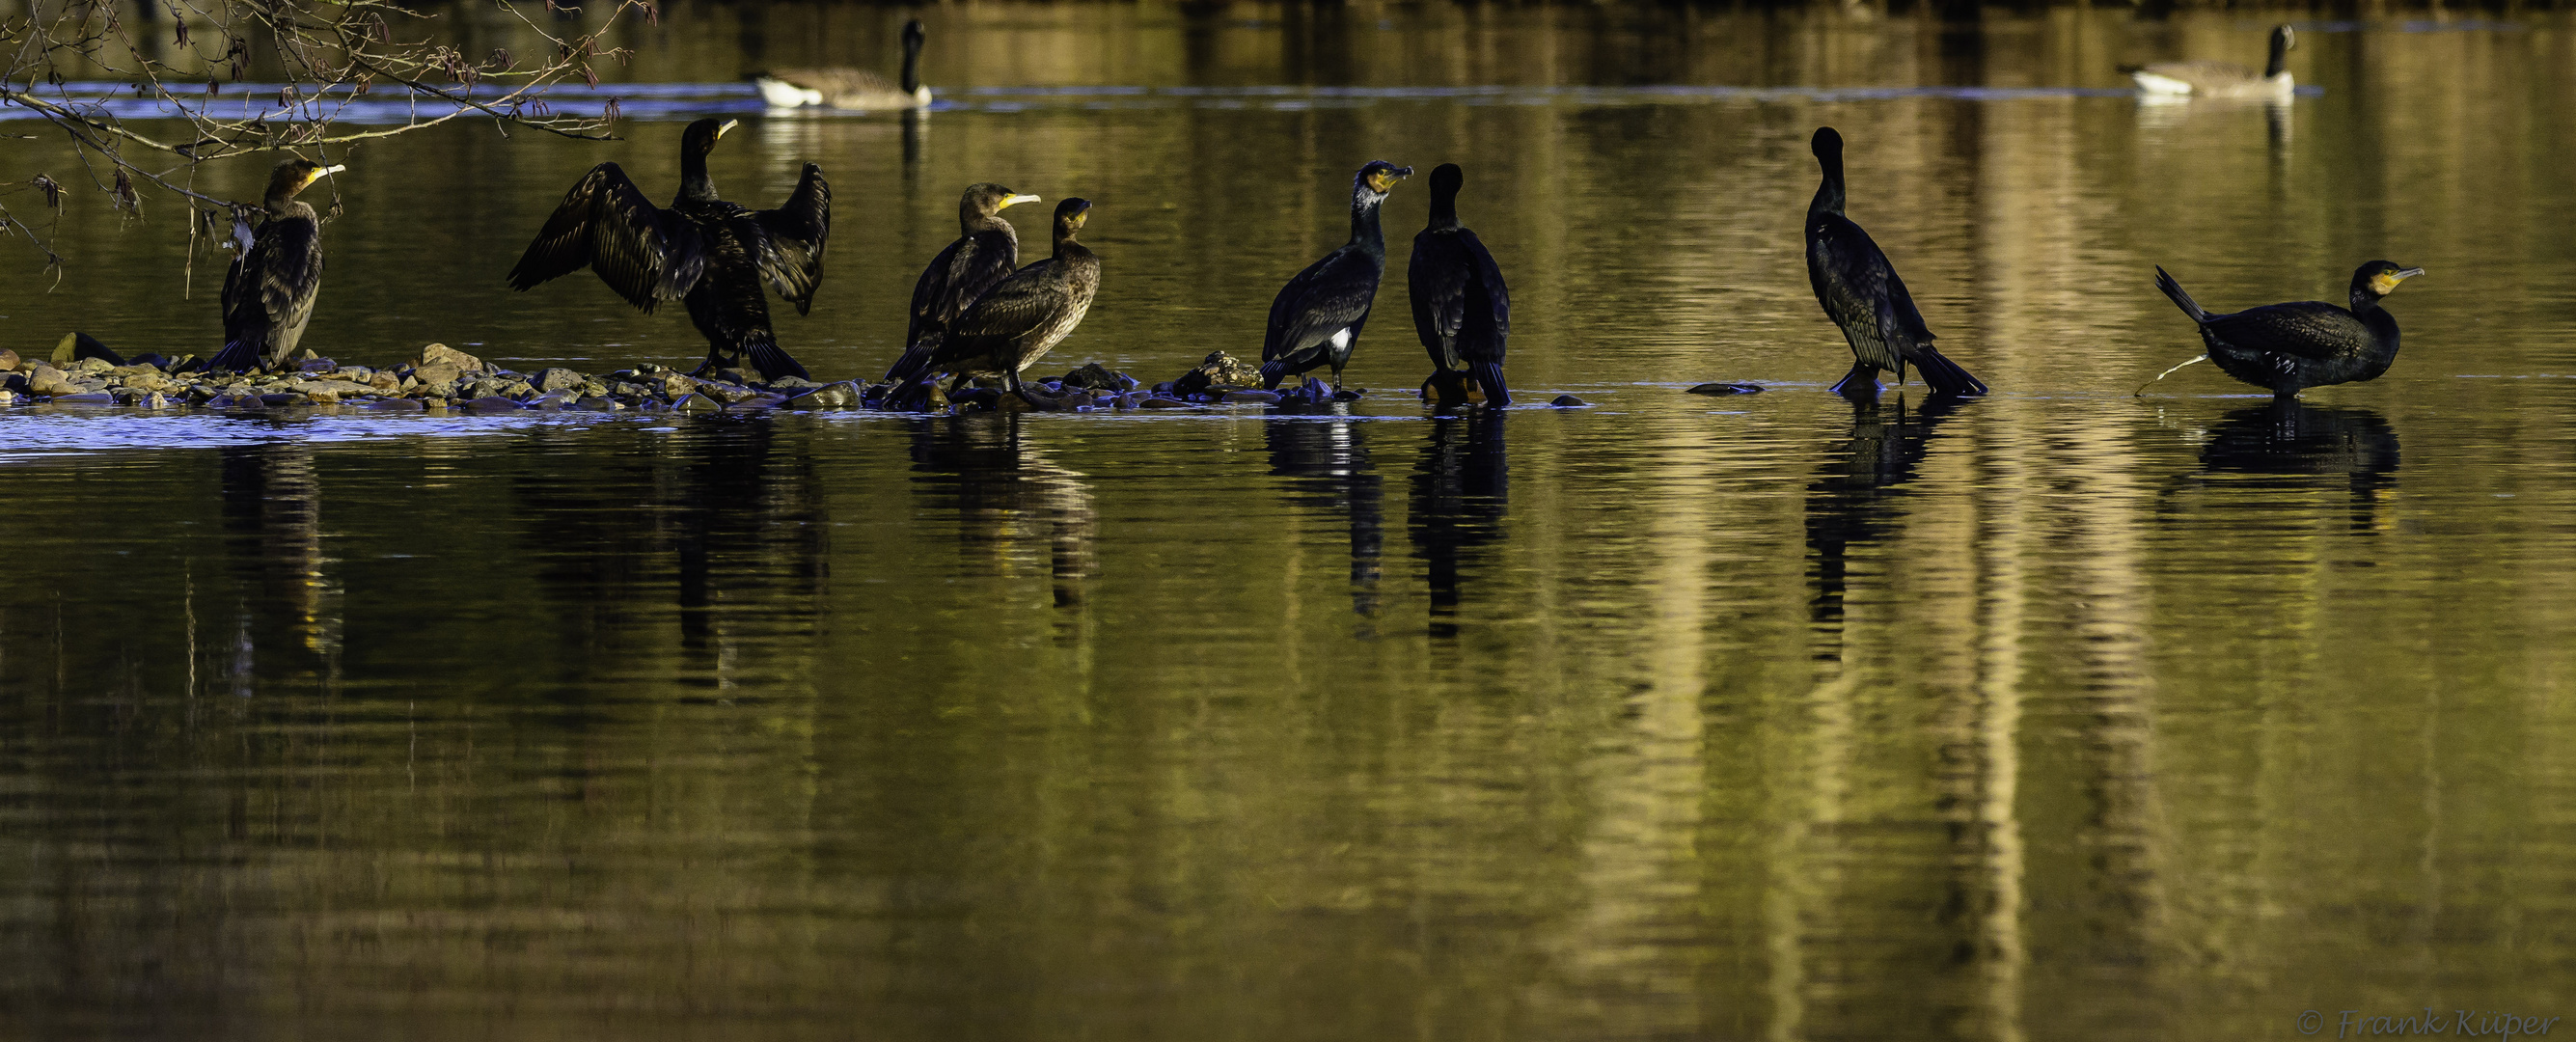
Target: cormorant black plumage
{"points": [[1461, 309], [1021, 318], [707, 253], [1316, 318], [2287, 348], [1861, 293], [269, 291], [986, 251]]}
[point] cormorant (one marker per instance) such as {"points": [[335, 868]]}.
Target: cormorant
{"points": [[1317, 316], [1461, 309], [2288, 348], [1024, 316], [2207, 79], [268, 293], [1861, 293], [843, 88], [986, 251], [703, 251]]}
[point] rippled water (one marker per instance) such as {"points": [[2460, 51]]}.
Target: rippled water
{"points": [[2057, 714]]}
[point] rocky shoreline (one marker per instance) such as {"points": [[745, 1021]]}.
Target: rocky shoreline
{"points": [[82, 372], [443, 378]]}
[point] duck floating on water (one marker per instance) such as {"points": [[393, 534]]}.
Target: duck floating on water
{"points": [[846, 88], [2212, 79]]}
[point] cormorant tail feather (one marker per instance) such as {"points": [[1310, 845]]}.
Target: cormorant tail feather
{"points": [[1944, 375], [2181, 299], [1489, 375]]}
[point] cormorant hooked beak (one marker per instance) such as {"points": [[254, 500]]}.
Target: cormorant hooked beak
{"points": [[2402, 274], [1011, 201], [2386, 282], [1383, 180], [725, 126], [320, 172]]}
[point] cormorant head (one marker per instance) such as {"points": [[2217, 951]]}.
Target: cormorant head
{"points": [[701, 136], [2379, 278], [989, 199], [295, 175], [1376, 179], [1828, 145], [1446, 179], [913, 36], [1070, 214]]}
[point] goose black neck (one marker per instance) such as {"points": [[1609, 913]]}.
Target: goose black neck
{"points": [[2280, 56], [695, 186], [1365, 233], [1829, 195], [911, 63]]}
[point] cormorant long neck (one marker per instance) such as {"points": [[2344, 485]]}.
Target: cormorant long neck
{"points": [[1364, 228], [1444, 211], [972, 218], [2364, 301], [1829, 195], [695, 186], [1064, 244]]}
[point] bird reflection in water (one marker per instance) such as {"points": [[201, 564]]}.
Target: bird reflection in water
{"points": [[752, 531], [272, 518], [1001, 485], [1855, 498], [2288, 437], [1329, 467], [1461, 490]]}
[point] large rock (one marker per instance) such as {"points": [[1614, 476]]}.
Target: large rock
{"points": [[437, 353], [8, 360], [555, 379], [1098, 377], [436, 374], [830, 396], [49, 381]]}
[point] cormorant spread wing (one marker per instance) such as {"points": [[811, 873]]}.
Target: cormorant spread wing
{"points": [[791, 248], [645, 253]]}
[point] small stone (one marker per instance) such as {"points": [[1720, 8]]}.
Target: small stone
{"points": [[1349, 394], [725, 392], [8, 360], [829, 396], [791, 383], [48, 381], [7, 396], [491, 403], [156, 401], [1567, 401], [93, 367], [597, 403], [464, 363], [1726, 388], [395, 405], [1249, 397], [315, 366], [322, 397], [1098, 377], [557, 378], [438, 373], [388, 382], [694, 402]]}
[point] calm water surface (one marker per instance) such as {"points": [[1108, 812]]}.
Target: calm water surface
{"points": [[2058, 714]]}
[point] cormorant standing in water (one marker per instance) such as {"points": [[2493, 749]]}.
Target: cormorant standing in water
{"points": [[2288, 348], [268, 293], [1461, 309], [986, 250], [703, 251], [1861, 293], [851, 88], [1024, 316], [2208, 79], [1317, 316]]}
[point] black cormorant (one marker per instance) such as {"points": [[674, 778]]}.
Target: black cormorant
{"points": [[844, 88], [703, 251], [986, 251], [2288, 348], [2208, 79], [1024, 316], [268, 293], [1317, 316], [1861, 293], [1461, 308]]}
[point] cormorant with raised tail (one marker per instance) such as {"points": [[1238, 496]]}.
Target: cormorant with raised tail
{"points": [[2208, 79], [1024, 316], [2287, 348], [986, 251], [1317, 316], [703, 251], [1461, 309], [1861, 293], [844, 88], [275, 276]]}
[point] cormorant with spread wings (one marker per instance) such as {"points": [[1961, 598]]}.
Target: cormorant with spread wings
{"points": [[703, 251]]}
